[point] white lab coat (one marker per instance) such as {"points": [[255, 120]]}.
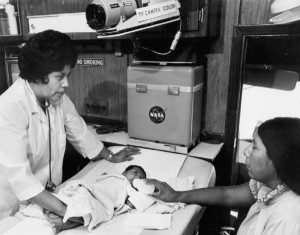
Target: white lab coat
{"points": [[24, 144]]}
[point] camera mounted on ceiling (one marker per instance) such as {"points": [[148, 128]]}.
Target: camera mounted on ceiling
{"points": [[117, 18]]}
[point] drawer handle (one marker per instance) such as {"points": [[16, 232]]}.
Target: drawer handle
{"points": [[173, 90], [141, 88]]}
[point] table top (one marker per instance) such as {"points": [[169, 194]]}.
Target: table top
{"points": [[202, 150], [184, 221]]}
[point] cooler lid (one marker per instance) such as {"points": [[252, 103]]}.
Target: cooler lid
{"points": [[161, 75]]}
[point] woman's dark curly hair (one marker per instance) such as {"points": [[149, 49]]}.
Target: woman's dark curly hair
{"points": [[46, 52], [281, 137]]}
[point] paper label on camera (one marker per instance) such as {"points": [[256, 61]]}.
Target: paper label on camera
{"points": [[156, 10]]}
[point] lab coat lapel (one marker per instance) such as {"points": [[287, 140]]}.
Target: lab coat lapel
{"points": [[34, 106], [43, 117], [37, 110]]}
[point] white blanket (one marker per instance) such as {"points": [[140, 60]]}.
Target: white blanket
{"points": [[99, 202], [89, 201], [157, 164]]}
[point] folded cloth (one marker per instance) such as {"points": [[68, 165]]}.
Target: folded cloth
{"points": [[182, 183], [32, 210], [179, 184], [148, 221], [140, 200], [161, 207]]}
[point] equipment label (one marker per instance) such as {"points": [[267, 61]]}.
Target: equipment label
{"points": [[157, 114], [156, 10], [114, 5]]}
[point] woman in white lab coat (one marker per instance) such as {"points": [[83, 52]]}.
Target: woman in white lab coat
{"points": [[36, 117], [273, 163]]}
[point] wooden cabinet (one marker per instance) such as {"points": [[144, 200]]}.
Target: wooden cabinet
{"points": [[47, 7], [255, 12], [200, 18], [12, 20], [44, 7]]}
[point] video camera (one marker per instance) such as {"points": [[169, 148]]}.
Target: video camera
{"points": [[116, 18]]}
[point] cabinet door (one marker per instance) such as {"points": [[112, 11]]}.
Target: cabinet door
{"points": [[36, 7], [70, 6], [256, 12], [190, 15], [46, 7], [201, 18]]}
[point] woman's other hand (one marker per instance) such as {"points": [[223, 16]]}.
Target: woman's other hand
{"points": [[163, 191], [125, 154]]}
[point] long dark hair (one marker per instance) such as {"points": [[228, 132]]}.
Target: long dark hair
{"points": [[281, 137]]}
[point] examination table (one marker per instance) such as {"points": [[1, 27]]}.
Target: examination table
{"points": [[184, 221]]}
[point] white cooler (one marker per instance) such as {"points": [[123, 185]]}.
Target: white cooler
{"points": [[165, 103]]}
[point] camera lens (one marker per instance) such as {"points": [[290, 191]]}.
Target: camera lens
{"points": [[105, 14], [95, 16]]}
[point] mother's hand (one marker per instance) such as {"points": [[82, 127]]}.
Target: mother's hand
{"points": [[163, 191], [125, 154]]}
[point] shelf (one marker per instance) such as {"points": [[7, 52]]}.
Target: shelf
{"points": [[272, 30], [11, 38], [74, 36]]}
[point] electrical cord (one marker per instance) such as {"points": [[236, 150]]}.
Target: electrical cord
{"points": [[172, 47]]}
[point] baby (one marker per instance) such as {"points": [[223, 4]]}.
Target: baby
{"points": [[114, 187]]}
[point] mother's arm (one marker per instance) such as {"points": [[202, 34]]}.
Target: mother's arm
{"points": [[231, 196]]}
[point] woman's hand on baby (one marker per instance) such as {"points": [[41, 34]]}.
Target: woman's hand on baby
{"points": [[163, 191], [125, 154]]}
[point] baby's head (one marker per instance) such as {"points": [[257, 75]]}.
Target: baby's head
{"points": [[134, 172]]}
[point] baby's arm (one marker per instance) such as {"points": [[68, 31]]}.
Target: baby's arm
{"points": [[128, 203]]}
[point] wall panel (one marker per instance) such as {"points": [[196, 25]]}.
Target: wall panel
{"points": [[218, 69], [255, 12], [102, 83]]}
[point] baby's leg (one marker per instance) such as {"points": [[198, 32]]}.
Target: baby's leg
{"points": [[58, 225]]}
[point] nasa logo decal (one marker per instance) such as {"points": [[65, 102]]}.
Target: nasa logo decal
{"points": [[157, 114]]}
